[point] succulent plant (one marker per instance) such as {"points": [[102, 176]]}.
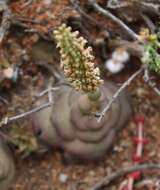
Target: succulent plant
{"points": [[70, 123], [7, 167]]}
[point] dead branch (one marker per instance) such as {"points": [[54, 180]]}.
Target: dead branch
{"points": [[50, 102], [116, 20], [46, 91], [149, 23], [6, 22], [134, 48], [117, 93], [147, 79], [149, 181], [150, 7], [4, 100], [28, 3], [55, 71], [75, 4], [108, 179], [8, 120]]}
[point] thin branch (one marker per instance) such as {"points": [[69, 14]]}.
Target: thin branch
{"points": [[52, 69], [155, 182], [50, 102], [108, 179], [4, 100], [149, 23], [50, 92], [75, 3], [109, 15], [29, 2], [147, 79], [117, 93], [152, 7], [6, 22], [8, 120], [46, 91]]}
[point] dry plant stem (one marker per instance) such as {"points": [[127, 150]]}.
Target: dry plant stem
{"points": [[149, 23], [29, 2], [147, 79], [50, 92], [75, 3], [147, 182], [52, 69], [123, 184], [4, 100], [8, 120], [46, 91], [109, 15], [6, 22], [150, 7], [125, 84], [108, 179]]}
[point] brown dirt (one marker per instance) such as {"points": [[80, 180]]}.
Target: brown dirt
{"points": [[44, 171]]}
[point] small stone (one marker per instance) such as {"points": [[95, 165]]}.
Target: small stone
{"points": [[8, 73], [118, 149], [92, 173], [48, 2], [63, 178]]}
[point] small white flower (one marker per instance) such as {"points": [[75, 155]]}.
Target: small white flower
{"points": [[120, 55], [8, 73], [114, 66], [63, 178]]}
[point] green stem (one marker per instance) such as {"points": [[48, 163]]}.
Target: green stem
{"points": [[90, 101], [94, 95]]}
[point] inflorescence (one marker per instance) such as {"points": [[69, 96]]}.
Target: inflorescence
{"points": [[151, 55], [77, 60]]}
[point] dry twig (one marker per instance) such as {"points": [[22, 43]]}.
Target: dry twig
{"points": [[119, 22], [46, 91], [149, 23], [108, 179], [117, 93], [154, 182], [76, 5], [8, 120], [6, 22], [29, 2], [50, 102], [147, 79], [4, 100]]}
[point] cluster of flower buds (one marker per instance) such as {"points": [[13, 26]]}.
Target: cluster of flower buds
{"points": [[151, 55], [77, 60], [117, 61]]}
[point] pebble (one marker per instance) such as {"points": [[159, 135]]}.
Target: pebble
{"points": [[63, 178]]}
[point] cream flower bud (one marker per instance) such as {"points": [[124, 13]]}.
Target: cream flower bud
{"points": [[77, 60]]}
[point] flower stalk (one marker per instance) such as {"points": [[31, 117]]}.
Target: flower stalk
{"points": [[78, 62]]}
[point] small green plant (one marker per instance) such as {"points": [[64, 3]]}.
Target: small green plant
{"points": [[77, 60], [151, 56]]}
